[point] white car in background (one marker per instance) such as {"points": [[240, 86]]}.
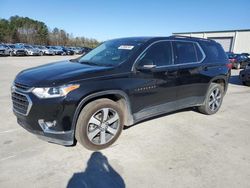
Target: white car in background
{"points": [[30, 50], [44, 50], [5, 50], [16, 50]]}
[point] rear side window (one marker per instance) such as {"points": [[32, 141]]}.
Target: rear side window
{"points": [[187, 52]]}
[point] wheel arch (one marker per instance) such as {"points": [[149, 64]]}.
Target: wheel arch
{"points": [[116, 95], [220, 80]]}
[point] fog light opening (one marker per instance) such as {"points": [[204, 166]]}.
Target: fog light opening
{"points": [[46, 125]]}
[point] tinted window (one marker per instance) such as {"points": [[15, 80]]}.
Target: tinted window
{"points": [[185, 52], [160, 54], [198, 52], [214, 51]]}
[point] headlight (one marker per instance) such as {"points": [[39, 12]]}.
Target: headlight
{"points": [[52, 92]]}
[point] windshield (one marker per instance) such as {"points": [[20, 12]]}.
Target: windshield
{"points": [[111, 53], [18, 47]]}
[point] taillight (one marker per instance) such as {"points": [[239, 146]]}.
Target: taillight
{"points": [[229, 65]]}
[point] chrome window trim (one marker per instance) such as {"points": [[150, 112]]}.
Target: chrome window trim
{"points": [[29, 105], [173, 65]]}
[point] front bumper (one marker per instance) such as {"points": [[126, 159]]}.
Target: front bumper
{"points": [[63, 138], [33, 53], [20, 53], [59, 110]]}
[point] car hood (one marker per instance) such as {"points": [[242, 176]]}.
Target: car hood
{"points": [[58, 73]]}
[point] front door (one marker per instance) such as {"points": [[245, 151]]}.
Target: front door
{"points": [[156, 84]]}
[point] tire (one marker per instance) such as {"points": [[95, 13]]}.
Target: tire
{"points": [[246, 83], [41, 53], [212, 104], [91, 130]]}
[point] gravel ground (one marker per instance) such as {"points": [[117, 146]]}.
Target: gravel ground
{"points": [[182, 149]]}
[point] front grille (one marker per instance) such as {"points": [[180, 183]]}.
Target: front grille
{"points": [[22, 87], [21, 103]]}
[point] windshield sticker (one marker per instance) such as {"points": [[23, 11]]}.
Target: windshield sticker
{"points": [[125, 47]]}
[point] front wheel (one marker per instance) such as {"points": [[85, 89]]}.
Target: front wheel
{"points": [[99, 124], [213, 99]]}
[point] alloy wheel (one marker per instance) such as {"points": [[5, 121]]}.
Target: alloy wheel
{"points": [[215, 99], [103, 126]]}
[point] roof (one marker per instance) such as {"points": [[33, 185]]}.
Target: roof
{"points": [[157, 38], [221, 31]]}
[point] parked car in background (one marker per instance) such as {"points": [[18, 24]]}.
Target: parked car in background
{"points": [[67, 50], [239, 60], [2, 50], [231, 57], [17, 50], [245, 75], [85, 50], [76, 50], [30, 50], [5, 50], [246, 54], [56, 50], [45, 50], [121, 82]]}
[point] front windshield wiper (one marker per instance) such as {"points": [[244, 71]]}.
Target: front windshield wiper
{"points": [[74, 60], [88, 63]]}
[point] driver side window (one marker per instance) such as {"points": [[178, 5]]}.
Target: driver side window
{"points": [[159, 54]]}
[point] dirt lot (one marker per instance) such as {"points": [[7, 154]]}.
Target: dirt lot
{"points": [[183, 149]]}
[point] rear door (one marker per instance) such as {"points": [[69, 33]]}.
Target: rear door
{"points": [[192, 84]]}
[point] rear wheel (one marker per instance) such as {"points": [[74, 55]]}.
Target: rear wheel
{"points": [[99, 124], [213, 99]]}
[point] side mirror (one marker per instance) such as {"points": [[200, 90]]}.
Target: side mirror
{"points": [[146, 64]]}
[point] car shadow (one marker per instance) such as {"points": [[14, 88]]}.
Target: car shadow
{"points": [[234, 79], [98, 174]]}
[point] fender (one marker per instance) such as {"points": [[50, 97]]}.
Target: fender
{"points": [[221, 77], [82, 103]]}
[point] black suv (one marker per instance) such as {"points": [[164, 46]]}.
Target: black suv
{"points": [[117, 84]]}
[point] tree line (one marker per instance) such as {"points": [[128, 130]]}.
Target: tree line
{"points": [[26, 30]]}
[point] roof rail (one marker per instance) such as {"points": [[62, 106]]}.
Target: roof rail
{"points": [[188, 37]]}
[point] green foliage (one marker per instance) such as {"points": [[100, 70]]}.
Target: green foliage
{"points": [[25, 30]]}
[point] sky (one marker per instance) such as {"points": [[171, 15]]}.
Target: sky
{"points": [[107, 19]]}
